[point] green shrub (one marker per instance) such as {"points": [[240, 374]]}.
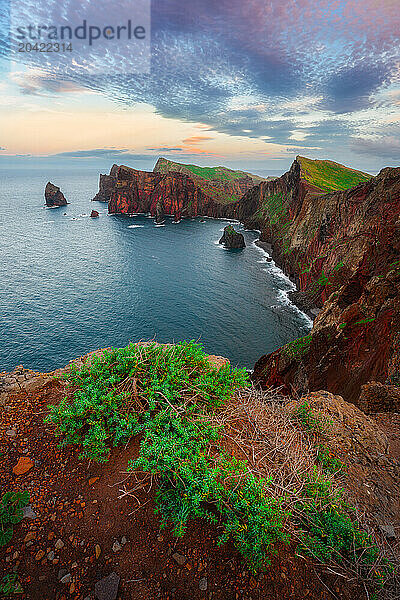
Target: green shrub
{"points": [[328, 461], [113, 398], [218, 489], [11, 506], [307, 419], [10, 585]]}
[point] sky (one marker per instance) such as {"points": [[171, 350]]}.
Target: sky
{"points": [[248, 84]]}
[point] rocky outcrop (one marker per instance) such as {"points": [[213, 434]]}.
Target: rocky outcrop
{"points": [[376, 397], [94, 214], [343, 250], [232, 239], [53, 196], [176, 190], [163, 194], [106, 185]]}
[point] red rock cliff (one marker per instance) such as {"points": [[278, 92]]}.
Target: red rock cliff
{"points": [[343, 248]]}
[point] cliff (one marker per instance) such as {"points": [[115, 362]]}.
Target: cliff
{"points": [[176, 190], [343, 250], [53, 196], [106, 185]]}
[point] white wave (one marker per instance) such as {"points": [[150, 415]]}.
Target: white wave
{"points": [[159, 224], [135, 226]]}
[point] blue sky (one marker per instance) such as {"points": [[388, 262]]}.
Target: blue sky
{"points": [[249, 84]]}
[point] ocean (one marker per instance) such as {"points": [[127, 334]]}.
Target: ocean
{"points": [[72, 284]]}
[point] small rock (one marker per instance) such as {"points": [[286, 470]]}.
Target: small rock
{"points": [[97, 550], [59, 544], [388, 531], [179, 558], [67, 578], [39, 555], [107, 588], [61, 574], [94, 214], [116, 547], [124, 540], [51, 555], [203, 584], [11, 433], [93, 480], [24, 465], [30, 536]]}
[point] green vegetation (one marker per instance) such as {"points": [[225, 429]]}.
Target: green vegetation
{"points": [[9, 585], [11, 506], [172, 396], [209, 179], [330, 176], [328, 461], [274, 208], [297, 348]]}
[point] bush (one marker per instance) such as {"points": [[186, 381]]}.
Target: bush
{"points": [[113, 398], [11, 506]]}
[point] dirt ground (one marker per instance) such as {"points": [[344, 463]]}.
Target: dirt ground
{"points": [[68, 546]]}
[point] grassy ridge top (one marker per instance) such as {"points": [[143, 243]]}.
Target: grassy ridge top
{"points": [[219, 173], [219, 183], [330, 176]]}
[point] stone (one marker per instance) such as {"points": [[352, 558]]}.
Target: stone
{"points": [[203, 584], [67, 578], [61, 573], [53, 196], [98, 551], [59, 544], [116, 547], [232, 239], [107, 588], [93, 480], [11, 433], [51, 555], [39, 555], [31, 535], [388, 531], [123, 540], [179, 558], [94, 214], [23, 465]]}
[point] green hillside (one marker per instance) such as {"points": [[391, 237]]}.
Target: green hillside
{"points": [[217, 173], [330, 176]]}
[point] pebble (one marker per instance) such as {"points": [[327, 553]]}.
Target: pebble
{"points": [[11, 433], [61, 574], [59, 544], [116, 547], [179, 558], [30, 536], [28, 513], [97, 550], [67, 578], [203, 584], [388, 531], [39, 555], [124, 540], [51, 555]]}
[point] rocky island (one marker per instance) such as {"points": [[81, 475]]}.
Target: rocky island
{"points": [[53, 196], [232, 239]]}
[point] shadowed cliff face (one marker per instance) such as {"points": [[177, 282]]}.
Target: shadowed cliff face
{"points": [[107, 185], [344, 250]]}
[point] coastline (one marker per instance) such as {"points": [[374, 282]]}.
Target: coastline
{"points": [[295, 296]]}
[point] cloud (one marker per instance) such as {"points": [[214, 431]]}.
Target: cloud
{"points": [[384, 147], [197, 139]]}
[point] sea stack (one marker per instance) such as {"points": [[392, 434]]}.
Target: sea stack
{"points": [[232, 239], [53, 196], [94, 214]]}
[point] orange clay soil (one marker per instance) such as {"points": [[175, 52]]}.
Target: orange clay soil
{"points": [[78, 503]]}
